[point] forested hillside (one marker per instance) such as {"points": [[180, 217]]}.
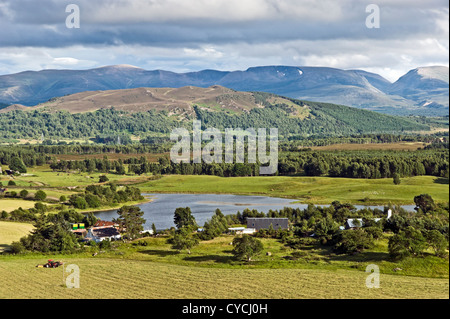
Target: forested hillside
{"points": [[299, 118]]}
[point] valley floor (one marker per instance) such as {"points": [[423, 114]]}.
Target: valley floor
{"points": [[156, 271]]}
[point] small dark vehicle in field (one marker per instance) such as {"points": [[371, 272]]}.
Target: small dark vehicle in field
{"points": [[51, 264]]}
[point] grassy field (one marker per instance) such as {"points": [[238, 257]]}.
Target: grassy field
{"points": [[155, 271], [43, 176], [9, 205], [10, 232], [316, 190]]}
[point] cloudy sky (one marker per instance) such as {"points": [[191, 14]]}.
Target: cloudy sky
{"points": [[192, 35]]}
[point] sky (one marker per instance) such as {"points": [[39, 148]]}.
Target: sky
{"points": [[226, 35]]}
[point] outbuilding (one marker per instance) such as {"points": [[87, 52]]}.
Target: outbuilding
{"points": [[99, 234]]}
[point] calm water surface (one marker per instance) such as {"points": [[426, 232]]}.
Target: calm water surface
{"points": [[160, 211]]}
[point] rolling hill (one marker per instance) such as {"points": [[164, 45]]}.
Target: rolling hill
{"points": [[144, 111], [173, 100], [422, 91]]}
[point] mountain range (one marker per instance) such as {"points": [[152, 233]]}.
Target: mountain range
{"points": [[422, 91]]}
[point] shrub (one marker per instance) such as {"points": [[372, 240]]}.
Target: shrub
{"points": [[396, 179], [105, 244], [374, 231], [40, 207], [23, 193], [17, 248], [92, 200], [407, 242], [103, 179], [353, 241], [437, 242], [40, 195], [4, 215], [246, 247], [80, 203]]}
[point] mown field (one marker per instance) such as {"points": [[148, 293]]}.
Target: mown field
{"points": [[316, 190], [10, 232], [155, 271], [9, 205], [111, 278]]}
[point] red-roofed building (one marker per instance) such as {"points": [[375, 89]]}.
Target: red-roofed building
{"points": [[103, 223]]}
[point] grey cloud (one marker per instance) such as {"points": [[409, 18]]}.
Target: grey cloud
{"points": [[178, 33]]}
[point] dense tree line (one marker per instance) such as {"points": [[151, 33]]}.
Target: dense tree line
{"points": [[9, 154], [295, 142], [62, 124], [355, 164], [366, 164], [89, 165], [372, 165]]}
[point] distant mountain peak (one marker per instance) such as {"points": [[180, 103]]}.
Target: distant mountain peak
{"points": [[120, 66], [434, 72]]}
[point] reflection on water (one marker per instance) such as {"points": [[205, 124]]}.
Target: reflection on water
{"points": [[160, 211]]}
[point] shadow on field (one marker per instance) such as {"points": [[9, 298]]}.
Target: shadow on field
{"points": [[4, 248], [160, 253], [369, 256], [441, 180], [212, 258]]}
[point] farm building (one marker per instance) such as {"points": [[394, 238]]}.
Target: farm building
{"points": [[80, 232], [99, 234], [102, 223], [264, 223], [102, 230], [79, 229]]}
